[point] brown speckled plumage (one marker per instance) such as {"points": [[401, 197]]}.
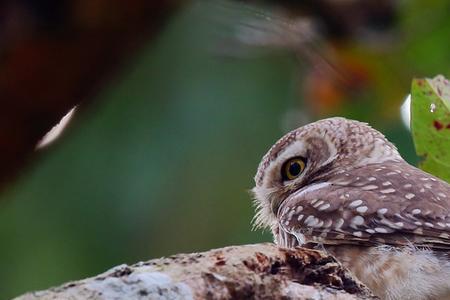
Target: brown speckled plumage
{"points": [[357, 192]]}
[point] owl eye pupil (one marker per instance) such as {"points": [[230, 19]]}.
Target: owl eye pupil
{"points": [[295, 169]]}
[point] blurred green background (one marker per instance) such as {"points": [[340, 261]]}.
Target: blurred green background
{"points": [[162, 161]]}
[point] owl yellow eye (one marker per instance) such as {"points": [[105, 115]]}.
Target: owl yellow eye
{"points": [[293, 168]]}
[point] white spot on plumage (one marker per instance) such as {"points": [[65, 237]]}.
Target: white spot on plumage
{"points": [[416, 211], [362, 209], [313, 201], [418, 230], [300, 217], [358, 220], [428, 224], [311, 221], [388, 191], [407, 186], [339, 223], [381, 230], [291, 214], [355, 203], [399, 224], [382, 211], [318, 224], [318, 203], [369, 187], [325, 206], [371, 179], [409, 196], [386, 183], [358, 233]]}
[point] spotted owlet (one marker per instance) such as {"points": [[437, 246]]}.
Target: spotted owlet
{"points": [[341, 184]]}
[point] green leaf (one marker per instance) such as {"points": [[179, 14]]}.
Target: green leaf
{"points": [[430, 124]]}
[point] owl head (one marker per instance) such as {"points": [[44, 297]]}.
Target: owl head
{"points": [[307, 157]]}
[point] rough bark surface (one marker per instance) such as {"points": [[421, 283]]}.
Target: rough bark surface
{"points": [[260, 271]]}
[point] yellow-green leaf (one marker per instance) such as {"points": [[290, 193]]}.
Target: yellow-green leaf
{"points": [[430, 124]]}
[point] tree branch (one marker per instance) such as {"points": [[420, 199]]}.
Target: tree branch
{"points": [[260, 271]]}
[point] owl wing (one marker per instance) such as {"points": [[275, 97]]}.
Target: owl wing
{"points": [[393, 204]]}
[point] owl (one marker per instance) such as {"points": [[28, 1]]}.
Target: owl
{"points": [[341, 185]]}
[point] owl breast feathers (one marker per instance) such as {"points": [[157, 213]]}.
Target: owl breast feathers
{"points": [[340, 182]]}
